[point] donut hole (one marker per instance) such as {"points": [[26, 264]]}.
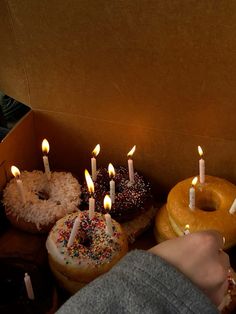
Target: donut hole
{"points": [[207, 201], [43, 195], [85, 240]]}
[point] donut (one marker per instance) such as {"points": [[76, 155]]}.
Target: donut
{"points": [[162, 227], [92, 253], [135, 227], [213, 201], [130, 199], [45, 201]]}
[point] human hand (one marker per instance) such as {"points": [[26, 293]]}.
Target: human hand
{"points": [[201, 258]]}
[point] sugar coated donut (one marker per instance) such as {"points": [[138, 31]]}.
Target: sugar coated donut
{"points": [[92, 253], [213, 201], [45, 201], [130, 199]]}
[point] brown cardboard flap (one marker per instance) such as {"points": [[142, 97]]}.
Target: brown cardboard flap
{"points": [[121, 60], [158, 74], [19, 148], [163, 157]]}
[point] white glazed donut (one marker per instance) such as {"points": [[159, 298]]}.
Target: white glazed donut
{"points": [[92, 253]]}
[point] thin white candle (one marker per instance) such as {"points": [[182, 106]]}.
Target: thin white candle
{"points": [[109, 229], [90, 185], [131, 164], [112, 191], [232, 209], [16, 173], [95, 152], [91, 207], [107, 206], [94, 168], [45, 149], [201, 166], [192, 194], [73, 232], [111, 172], [28, 286], [21, 190]]}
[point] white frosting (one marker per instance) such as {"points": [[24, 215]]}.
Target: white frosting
{"points": [[64, 191], [103, 246]]}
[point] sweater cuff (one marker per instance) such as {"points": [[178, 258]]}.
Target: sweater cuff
{"points": [[166, 280]]}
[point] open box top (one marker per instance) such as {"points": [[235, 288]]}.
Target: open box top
{"points": [[156, 74]]}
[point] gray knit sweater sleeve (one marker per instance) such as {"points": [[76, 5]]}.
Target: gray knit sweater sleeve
{"points": [[141, 283]]}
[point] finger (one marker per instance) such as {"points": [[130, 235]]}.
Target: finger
{"points": [[218, 295], [217, 240], [224, 260]]}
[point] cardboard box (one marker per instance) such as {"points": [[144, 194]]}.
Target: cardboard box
{"points": [[156, 74]]}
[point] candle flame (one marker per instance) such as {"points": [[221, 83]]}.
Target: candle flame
{"points": [[15, 171], [89, 181], [200, 151], [111, 170], [130, 153], [96, 150], [107, 202], [186, 227], [194, 181], [45, 146]]}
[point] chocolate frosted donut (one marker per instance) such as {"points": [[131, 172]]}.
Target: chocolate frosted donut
{"points": [[130, 199]]}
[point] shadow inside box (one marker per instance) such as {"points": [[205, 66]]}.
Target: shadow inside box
{"points": [[232, 256], [4, 223], [13, 293]]}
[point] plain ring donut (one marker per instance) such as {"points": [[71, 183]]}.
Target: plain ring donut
{"points": [[213, 201]]}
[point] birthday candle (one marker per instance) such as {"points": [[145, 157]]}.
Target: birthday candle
{"points": [[45, 149], [192, 194], [95, 152], [28, 286], [74, 231], [131, 164], [90, 185], [16, 173]]}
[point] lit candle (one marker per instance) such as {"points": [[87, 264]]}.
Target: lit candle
{"points": [[16, 173], [232, 209], [95, 152], [90, 185], [186, 230], [201, 166], [131, 164], [28, 286], [107, 206], [111, 172], [74, 231], [192, 194], [45, 149]]}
